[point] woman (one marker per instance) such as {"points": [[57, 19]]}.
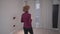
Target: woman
{"points": [[26, 19]]}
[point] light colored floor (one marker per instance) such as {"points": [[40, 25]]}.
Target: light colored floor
{"points": [[39, 31]]}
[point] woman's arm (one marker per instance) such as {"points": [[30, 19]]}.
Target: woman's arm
{"points": [[30, 20], [22, 18]]}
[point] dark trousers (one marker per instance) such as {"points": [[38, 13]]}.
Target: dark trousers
{"points": [[26, 30]]}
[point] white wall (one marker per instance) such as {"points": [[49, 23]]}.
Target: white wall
{"points": [[59, 18], [56, 1], [46, 13], [46, 8], [11, 8], [0, 15]]}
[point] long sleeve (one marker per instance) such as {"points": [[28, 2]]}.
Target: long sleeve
{"points": [[26, 19], [30, 20], [22, 18]]}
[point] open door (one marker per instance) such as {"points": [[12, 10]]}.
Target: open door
{"points": [[55, 16]]}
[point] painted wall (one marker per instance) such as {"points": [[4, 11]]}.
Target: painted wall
{"points": [[56, 1], [46, 8], [59, 18], [9, 9], [46, 13], [0, 15], [13, 8]]}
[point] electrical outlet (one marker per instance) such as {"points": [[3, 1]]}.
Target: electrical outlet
{"points": [[13, 25], [14, 17]]}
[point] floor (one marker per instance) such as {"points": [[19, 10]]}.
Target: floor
{"points": [[39, 31]]}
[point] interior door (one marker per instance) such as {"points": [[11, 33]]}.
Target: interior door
{"points": [[55, 16]]}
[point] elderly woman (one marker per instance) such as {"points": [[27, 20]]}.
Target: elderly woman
{"points": [[26, 19]]}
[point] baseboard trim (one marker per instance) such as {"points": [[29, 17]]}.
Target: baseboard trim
{"points": [[38, 28], [48, 28], [15, 31], [12, 32]]}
